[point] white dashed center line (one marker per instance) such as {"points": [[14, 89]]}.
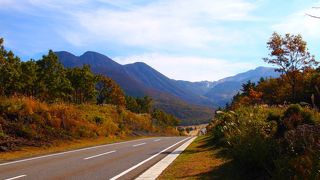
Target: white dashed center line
{"points": [[138, 144], [99, 155], [16, 177], [156, 140]]}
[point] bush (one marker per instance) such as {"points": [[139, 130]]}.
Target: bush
{"points": [[273, 142], [300, 150]]}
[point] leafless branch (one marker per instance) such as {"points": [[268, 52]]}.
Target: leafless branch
{"points": [[313, 16]]}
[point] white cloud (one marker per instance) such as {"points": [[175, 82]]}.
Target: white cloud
{"points": [[300, 23], [189, 67], [163, 24]]}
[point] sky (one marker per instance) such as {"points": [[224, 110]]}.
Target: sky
{"points": [[190, 40]]}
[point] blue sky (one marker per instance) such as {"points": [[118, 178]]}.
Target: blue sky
{"points": [[183, 39]]}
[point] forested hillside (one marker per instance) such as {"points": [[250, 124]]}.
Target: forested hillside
{"points": [[139, 79], [42, 101]]}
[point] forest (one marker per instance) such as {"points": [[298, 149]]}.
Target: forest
{"points": [[41, 100], [272, 127]]}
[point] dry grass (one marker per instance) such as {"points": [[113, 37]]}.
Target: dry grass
{"points": [[201, 160], [59, 146]]}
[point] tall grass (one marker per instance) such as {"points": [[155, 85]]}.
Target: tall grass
{"points": [[26, 121], [272, 142]]}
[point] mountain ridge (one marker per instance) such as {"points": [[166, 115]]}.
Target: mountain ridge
{"points": [[173, 96], [139, 79]]}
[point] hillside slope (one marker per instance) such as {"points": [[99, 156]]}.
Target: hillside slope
{"points": [[139, 79], [224, 89]]}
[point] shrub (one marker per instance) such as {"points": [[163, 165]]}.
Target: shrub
{"points": [[273, 142], [98, 120], [300, 148], [34, 121]]}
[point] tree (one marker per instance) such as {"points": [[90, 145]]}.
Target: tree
{"points": [[291, 55], [145, 104], [132, 105], [29, 77], [10, 71], [83, 83], [109, 92], [53, 83], [164, 119], [247, 87]]}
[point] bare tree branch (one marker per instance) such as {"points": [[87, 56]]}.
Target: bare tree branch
{"points": [[313, 16]]}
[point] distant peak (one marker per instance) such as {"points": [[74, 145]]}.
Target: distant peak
{"points": [[64, 52], [263, 67], [89, 53], [140, 63]]}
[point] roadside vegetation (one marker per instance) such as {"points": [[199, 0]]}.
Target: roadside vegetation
{"points": [[42, 102], [271, 130]]}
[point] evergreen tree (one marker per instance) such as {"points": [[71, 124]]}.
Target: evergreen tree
{"points": [[10, 70], [83, 82], [29, 77], [52, 84]]}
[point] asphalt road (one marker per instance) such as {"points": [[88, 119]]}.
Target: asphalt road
{"points": [[124, 160]]}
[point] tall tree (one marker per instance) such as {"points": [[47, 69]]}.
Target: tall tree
{"points": [[53, 84], [10, 70], [29, 77], [109, 92], [247, 87], [83, 82], [291, 55]]}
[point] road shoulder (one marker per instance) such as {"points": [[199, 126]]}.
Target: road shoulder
{"points": [[158, 168], [201, 160]]}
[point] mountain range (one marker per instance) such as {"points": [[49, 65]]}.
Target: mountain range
{"points": [[193, 102]]}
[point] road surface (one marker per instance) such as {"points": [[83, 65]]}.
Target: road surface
{"points": [[125, 160]]}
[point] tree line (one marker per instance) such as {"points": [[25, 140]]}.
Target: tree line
{"points": [[48, 80], [299, 81]]}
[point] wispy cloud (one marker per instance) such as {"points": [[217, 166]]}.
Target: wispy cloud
{"points": [[162, 24], [202, 39], [301, 23], [189, 67]]}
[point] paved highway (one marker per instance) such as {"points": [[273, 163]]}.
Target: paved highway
{"points": [[125, 160]]}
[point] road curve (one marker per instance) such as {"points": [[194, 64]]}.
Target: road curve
{"points": [[125, 160]]}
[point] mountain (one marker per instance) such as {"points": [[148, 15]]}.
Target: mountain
{"points": [[139, 79], [153, 79], [224, 89], [190, 101], [101, 64], [200, 88]]}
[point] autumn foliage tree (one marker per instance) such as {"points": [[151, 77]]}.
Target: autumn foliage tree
{"points": [[109, 92], [290, 54]]}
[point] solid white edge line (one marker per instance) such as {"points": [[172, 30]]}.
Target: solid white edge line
{"points": [[139, 144], [67, 152], [155, 171], [144, 161], [99, 155], [16, 177]]}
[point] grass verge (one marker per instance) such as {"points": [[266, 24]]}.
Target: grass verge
{"points": [[201, 160]]}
